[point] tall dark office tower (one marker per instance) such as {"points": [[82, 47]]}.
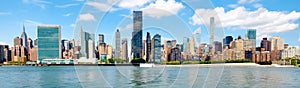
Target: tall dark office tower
{"points": [[137, 36], [118, 44], [265, 43], [226, 41], [148, 40], [24, 38], [100, 38]]}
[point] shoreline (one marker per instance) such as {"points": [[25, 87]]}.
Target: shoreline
{"points": [[227, 65]]}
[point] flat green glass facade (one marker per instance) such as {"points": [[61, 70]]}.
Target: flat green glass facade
{"points": [[48, 42]]}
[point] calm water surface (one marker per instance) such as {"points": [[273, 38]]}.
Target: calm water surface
{"points": [[124, 77]]}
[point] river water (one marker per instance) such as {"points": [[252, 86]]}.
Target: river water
{"points": [[130, 76]]}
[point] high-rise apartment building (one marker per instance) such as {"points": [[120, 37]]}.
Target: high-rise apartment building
{"points": [[266, 44], [124, 50], [212, 28], [277, 43]]}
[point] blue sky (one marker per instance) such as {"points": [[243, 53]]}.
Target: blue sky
{"points": [[173, 19]]}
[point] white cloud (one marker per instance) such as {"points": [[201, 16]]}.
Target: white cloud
{"points": [[80, 0], [34, 23], [127, 27], [198, 30], [257, 5], [86, 17], [247, 1], [101, 6], [233, 5], [254, 3], [66, 5], [162, 8], [72, 25], [261, 19], [39, 3], [68, 14], [131, 4], [5, 13], [3, 43]]}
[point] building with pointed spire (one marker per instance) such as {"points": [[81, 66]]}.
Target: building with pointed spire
{"points": [[24, 38]]}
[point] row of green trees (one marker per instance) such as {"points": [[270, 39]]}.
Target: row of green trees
{"points": [[293, 61]]}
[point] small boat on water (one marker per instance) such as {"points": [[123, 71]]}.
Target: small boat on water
{"points": [[146, 65]]}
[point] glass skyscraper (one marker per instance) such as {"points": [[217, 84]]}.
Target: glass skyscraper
{"points": [[137, 36], [185, 45], [157, 48], [49, 44], [87, 43], [251, 33], [226, 41]]}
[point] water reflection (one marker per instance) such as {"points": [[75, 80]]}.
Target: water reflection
{"points": [[94, 76]]}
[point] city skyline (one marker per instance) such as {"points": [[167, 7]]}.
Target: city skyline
{"points": [[288, 27]]}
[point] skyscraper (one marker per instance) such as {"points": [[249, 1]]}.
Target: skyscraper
{"points": [[49, 44], [148, 52], [118, 45], [186, 45], [124, 51], [84, 38], [156, 48], [192, 45], [217, 46], [226, 41], [24, 38], [251, 33], [212, 28], [277, 43], [137, 36], [265, 43], [100, 38]]}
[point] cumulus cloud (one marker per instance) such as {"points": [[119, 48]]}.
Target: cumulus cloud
{"points": [[162, 8], [86, 17], [131, 4], [261, 19]]}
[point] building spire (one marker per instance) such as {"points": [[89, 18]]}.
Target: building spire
{"points": [[23, 28]]}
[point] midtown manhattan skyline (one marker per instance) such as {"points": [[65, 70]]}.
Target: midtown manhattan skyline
{"points": [[258, 14]]}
